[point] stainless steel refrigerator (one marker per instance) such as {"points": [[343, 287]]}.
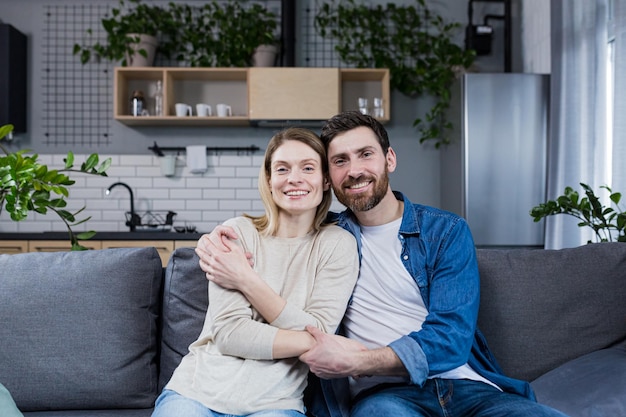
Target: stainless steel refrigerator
{"points": [[494, 171]]}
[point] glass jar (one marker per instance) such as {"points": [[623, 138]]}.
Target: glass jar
{"points": [[158, 99], [379, 110]]}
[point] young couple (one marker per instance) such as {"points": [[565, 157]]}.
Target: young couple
{"points": [[279, 285]]}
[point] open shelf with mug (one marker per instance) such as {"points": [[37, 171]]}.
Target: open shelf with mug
{"points": [[245, 96]]}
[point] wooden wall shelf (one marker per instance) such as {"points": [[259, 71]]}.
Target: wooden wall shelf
{"points": [[254, 94]]}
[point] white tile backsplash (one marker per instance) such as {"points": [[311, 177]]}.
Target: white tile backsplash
{"points": [[227, 189]]}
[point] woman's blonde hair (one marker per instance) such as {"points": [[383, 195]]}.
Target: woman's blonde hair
{"points": [[267, 224]]}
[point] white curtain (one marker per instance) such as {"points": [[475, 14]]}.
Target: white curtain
{"points": [[578, 109], [618, 171]]}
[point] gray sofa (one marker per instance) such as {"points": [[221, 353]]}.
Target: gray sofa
{"points": [[98, 333]]}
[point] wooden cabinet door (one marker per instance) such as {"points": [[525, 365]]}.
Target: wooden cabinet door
{"points": [[12, 247], [59, 245], [293, 93]]}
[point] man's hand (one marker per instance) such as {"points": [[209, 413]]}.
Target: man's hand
{"points": [[332, 356], [215, 243], [337, 357]]}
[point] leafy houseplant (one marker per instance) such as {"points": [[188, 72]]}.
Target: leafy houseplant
{"points": [[27, 185], [216, 34], [608, 223], [123, 29], [412, 41], [262, 35], [223, 34]]}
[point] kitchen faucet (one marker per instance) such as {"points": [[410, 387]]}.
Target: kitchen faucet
{"points": [[134, 218]]}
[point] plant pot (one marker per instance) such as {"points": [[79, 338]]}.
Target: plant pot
{"points": [[264, 56], [146, 42]]}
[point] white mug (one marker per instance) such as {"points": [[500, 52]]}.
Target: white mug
{"points": [[183, 109], [203, 110], [224, 110]]}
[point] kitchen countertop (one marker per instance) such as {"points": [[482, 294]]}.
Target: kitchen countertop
{"points": [[141, 235]]}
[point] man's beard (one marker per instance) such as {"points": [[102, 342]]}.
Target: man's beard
{"points": [[365, 201]]}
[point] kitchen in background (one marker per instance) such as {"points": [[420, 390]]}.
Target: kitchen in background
{"points": [[57, 81]]}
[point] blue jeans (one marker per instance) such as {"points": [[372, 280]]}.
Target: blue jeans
{"points": [[172, 404], [446, 398]]}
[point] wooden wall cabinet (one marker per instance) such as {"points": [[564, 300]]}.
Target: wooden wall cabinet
{"points": [[293, 93], [367, 83], [182, 85], [254, 94]]}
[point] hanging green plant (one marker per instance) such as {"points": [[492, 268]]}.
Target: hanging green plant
{"points": [[412, 41]]}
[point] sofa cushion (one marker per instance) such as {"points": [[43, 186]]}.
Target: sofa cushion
{"points": [[542, 308], [589, 386], [79, 329], [185, 302]]}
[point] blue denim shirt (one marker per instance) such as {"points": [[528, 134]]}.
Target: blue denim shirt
{"points": [[438, 251]]}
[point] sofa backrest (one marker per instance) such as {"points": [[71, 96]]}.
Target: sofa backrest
{"points": [[538, 309], [541, 308], [79, 329], [185, 302]]}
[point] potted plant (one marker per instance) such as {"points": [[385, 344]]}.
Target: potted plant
{"points": [[199, 44], [608, 223], [131, 35], [260, 27], [222, 34], [216, 34], [29, 186], [412, 41]]}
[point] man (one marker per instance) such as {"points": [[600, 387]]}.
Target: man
{"points": [[410, 344]]}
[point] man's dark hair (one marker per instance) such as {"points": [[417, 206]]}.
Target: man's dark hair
{"points": [[349, 120]]}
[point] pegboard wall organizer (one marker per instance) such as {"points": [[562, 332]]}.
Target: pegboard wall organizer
{"points": [[76, 99]]}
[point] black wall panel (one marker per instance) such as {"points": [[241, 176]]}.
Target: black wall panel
{"points": [[13, 78]]}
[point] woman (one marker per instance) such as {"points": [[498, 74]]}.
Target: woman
{"points": [[245, 361]]}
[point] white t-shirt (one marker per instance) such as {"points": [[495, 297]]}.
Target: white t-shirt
{"points": [[386, 293]]}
